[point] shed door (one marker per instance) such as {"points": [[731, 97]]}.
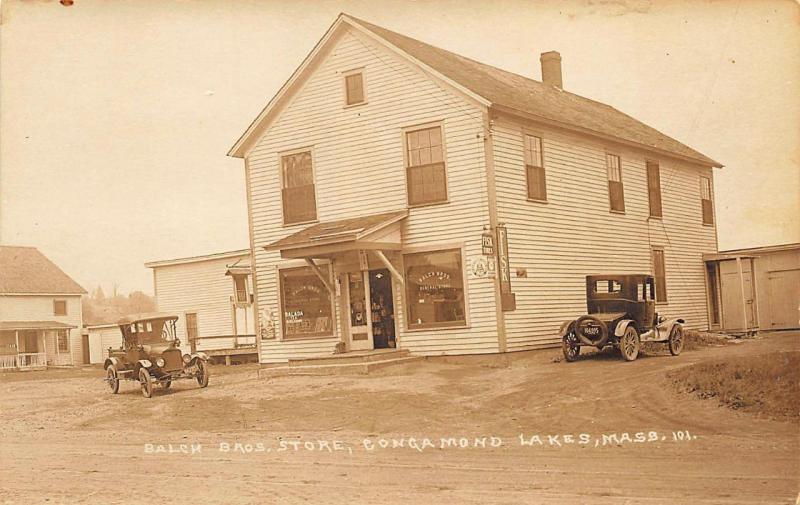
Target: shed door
{"points": [[732, 302], [784, 299]]}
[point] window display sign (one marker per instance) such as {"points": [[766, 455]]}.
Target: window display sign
{"points": [[435, 289], [306, 303]]}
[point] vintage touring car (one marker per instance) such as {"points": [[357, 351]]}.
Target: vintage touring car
{"points": [[151, 354], [620, 313]]}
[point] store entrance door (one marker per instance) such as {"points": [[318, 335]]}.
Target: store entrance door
{"points": [[382, 309], [358, 303]]}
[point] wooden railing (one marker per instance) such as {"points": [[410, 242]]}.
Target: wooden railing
{"points": [[61, 359], [239, 341], [29, 359], [8, 361]]}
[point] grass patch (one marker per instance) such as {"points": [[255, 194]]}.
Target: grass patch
{"points": [[767, 384]]}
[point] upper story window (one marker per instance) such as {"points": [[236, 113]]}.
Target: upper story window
{"points": [[298, 192], [240, 287], [534, 168], [705, 198], [354, 87], [426, 176], [654, 188], [59, 307], [616, 195]]}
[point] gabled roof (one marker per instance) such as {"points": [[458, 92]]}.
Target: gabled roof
{"points": [[501, 90], [195, 259], [25, 270]]}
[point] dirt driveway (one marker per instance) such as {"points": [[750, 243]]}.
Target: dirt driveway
{"points": [[470, 431]]}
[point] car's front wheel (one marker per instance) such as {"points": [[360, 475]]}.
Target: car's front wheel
{"points": [[146, 381], [629, 344], [570, 347], [202, 373], [113, 379], [676, 340]]}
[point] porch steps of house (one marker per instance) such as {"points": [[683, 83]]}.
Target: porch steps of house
{"points": [[340, 364]]}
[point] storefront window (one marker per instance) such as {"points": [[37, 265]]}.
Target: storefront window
{"points": [[435, 289], [306, 303]]}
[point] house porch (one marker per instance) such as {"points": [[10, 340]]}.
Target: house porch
{"points": [[26, 345]]}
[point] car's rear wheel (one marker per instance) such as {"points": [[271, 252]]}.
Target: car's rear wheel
{"points": [[570, 346], [676, 340], [202, 373], [113, 379], [146, 381], [629, 344]]}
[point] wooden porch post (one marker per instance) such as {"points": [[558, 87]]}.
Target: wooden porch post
{"points": [[397, 275], [44, 337], [16, 339], [321, 276], [744, 299]]}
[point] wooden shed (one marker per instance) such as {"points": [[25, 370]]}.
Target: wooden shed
{"points": [[754, 289]]}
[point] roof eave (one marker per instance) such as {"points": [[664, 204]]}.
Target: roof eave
{"points": [[707, 162]]}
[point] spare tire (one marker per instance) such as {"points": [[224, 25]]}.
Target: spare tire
{"points": [[591, 331]]}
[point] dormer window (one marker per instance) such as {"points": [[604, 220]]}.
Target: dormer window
{"points": [[354, 87]]}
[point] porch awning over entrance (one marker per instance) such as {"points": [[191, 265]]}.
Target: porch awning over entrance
{"points": [[726, 256], [324, 240], [34, 325], [238, 271]]}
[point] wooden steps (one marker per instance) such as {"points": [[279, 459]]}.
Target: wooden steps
{"points": [[340, 364]]}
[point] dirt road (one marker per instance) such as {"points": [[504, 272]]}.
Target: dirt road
{"points": [[65, 439]]}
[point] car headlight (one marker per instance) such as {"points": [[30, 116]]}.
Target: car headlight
{"points": [[187, 358], [160, 362]]}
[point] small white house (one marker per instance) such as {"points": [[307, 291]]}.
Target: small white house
{"points": [[100, 338], [213, 297], [40, 311]]}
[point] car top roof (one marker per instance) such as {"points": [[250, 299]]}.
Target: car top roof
{"points": [[146, 316]]}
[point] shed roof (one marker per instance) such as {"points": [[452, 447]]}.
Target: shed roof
{"points": [[503, 91], [25, 270]]}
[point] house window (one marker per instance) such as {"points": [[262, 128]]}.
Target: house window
{"points": [[299, 199], [534, 168], [59, 307], [705, 197], [425, 171], [306, 304], [63, 340], [435, 289], [660, 274], [240, 286], [654, 188], [354, 88], [616, 195]]}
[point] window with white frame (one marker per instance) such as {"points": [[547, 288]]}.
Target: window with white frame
{"points": [[616, 194], [425, 167], [534, 168], [706, 200], [298, 191], [354, 88]]}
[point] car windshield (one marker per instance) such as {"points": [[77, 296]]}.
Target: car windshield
{"points": [[153, 332]]}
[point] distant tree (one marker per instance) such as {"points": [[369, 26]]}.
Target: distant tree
{"points": [[140, 302], [100, 309]]}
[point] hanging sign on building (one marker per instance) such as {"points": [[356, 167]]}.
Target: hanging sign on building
{"points": [[487, 243], [504, 269]]}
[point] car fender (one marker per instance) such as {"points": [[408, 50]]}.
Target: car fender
{"points": [[666, 327], [622, 326], [566, 327], [196, 356], [109, 362], [144, 363]]}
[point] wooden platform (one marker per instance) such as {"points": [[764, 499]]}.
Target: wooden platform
{"points": [[360, 363]]}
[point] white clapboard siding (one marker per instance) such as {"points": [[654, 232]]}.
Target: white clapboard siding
{"points": [[101, 338], [40, 308], [574, 234], [359, 170], [203, 288]]}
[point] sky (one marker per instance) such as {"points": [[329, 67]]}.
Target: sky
{"points": [[116, 116]]}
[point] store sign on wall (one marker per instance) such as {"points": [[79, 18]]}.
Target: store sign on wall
{"points": [[504, 270], [483, 268], [487, 243]]}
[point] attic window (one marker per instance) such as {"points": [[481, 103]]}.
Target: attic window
{"points": [[354, 87]]}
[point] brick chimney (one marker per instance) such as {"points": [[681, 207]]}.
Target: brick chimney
{"points": [[551, 68]]}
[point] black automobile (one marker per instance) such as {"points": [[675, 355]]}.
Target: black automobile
{"points": [[151, 354], [620, 313]]}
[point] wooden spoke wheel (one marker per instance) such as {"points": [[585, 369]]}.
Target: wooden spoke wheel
{"points": [[202, 373], [146, 381], [113, 379], [676, 340], [570, 347], [629, 344]]}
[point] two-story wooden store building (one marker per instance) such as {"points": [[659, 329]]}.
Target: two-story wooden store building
{"points": [[377, 170]]}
